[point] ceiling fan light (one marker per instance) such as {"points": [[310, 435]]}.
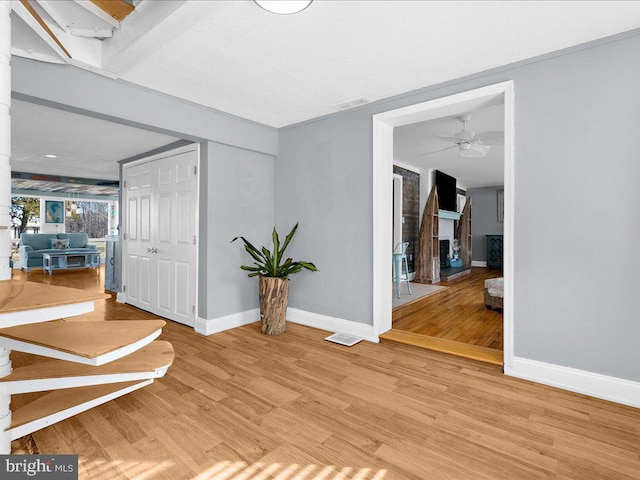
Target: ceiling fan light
{"points": [[475, 151], [283, 7]]}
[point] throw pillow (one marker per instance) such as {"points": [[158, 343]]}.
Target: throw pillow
{"points": [[60, 244]]}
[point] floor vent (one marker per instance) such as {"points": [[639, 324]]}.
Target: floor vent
{"points": [[343, 339]]}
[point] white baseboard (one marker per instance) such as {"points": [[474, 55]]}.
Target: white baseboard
{"points": [[596, 385], [332, 324], [121, 297], [215, 325], [478, 263]]}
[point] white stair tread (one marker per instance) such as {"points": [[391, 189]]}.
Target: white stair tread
{"points": [[83, 339], [17, 295], [155, 356], [60, 400]]}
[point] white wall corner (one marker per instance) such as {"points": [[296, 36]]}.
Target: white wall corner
{"points": [[619, 390], [478, 263], [121, 297], [332, 324], [210, 326]]}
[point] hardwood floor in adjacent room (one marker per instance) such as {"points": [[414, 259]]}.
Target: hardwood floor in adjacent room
{"points": [[243, 405], [456, 313]]}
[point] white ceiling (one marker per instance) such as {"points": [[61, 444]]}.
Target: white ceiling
{"points": [[85, 147], [282, 69], [410, 141], [234, 56]]}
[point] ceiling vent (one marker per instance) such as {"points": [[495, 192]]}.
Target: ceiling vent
{"points": [[355, 102]]}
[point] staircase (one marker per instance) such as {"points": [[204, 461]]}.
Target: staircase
{"points": [[93, 361]]}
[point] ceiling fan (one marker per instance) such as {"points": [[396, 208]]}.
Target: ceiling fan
{"points": [[468, 143]]}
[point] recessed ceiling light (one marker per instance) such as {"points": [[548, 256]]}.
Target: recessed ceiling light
{"points": [[284, 7], [48, 155]]}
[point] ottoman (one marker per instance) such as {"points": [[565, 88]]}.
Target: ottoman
{"points": [[494, 293]]}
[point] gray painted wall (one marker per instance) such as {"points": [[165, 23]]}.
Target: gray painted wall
{"points": [[577, 119], [240, 203], [484, 219]]}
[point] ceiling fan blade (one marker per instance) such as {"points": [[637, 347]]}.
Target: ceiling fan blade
{"points": [[491, 138], [447, 138], [436, 151]]}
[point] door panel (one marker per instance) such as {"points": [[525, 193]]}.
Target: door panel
{"points": [[139, 221], [161, 263]]}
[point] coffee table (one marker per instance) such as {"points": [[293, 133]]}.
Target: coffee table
{"points": [[69, 260]]}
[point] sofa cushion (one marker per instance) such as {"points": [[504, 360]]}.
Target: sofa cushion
{"points": [[59, 243], [37, 241], [76, 240]]}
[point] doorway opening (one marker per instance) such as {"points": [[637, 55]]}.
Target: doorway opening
{"points": [[383, 161]]}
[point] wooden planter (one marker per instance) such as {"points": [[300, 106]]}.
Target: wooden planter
{"points": [[273, 296]]}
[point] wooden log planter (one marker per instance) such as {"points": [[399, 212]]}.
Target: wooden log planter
{"points": [[273, 298]]}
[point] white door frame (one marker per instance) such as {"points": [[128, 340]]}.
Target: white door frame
{"points": [[121, 297], [383, 125]]}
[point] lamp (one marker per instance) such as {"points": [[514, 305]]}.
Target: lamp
{"points": [[283, 7]]}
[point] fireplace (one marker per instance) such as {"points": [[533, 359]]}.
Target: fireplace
{"points": [[445, 261]]}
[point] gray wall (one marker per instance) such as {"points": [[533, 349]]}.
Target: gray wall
{"points": [[240, 203], [234, 153], [484, 219], [577, 119]]}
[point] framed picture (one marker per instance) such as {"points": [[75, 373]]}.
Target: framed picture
{"points": [[501, 206], [53, 211]]}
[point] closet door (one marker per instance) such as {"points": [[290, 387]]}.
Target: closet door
{"points": [[174, 234], [160, 238], [139, 261]]}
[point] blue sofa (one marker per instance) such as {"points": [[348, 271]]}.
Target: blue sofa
{"points": [[33, 245]]}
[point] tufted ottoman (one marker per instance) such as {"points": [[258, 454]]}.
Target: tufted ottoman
{"points": [[494, 293]]}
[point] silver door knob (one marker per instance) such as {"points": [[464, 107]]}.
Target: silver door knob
{"points": [[154, 250], [148, 250]]}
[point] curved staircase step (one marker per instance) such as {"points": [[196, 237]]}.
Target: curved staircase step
{"points": [[62, 404], [151, 361], [30, 302], [90, 343]]}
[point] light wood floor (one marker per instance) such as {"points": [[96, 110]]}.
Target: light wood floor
{"points": [[240, 405], [456, 313]]}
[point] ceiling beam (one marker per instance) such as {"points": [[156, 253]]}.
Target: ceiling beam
{"points": [[43, 27]]}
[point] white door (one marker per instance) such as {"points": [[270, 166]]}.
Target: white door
{"points": [[160, 253]]}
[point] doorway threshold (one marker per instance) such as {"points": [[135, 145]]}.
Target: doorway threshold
{"points": [[465, 350]]}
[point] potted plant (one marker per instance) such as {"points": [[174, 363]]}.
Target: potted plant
{"points": [[273, 275]]}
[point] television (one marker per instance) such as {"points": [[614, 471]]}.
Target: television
{"points": [[447, 194]]}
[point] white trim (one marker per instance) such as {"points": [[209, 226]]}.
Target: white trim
{"points": [[56, 383], [215, 325], [31, 427], [121, 297], [509, 223], [26, 317], [596, 385], [411, 168], [478, 263], [383, 124], [333, 324], [12, 344]]}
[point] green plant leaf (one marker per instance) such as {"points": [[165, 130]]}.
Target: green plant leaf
{"points": [[288, 239], [309, 266], [249, 247], [276, 246]]}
